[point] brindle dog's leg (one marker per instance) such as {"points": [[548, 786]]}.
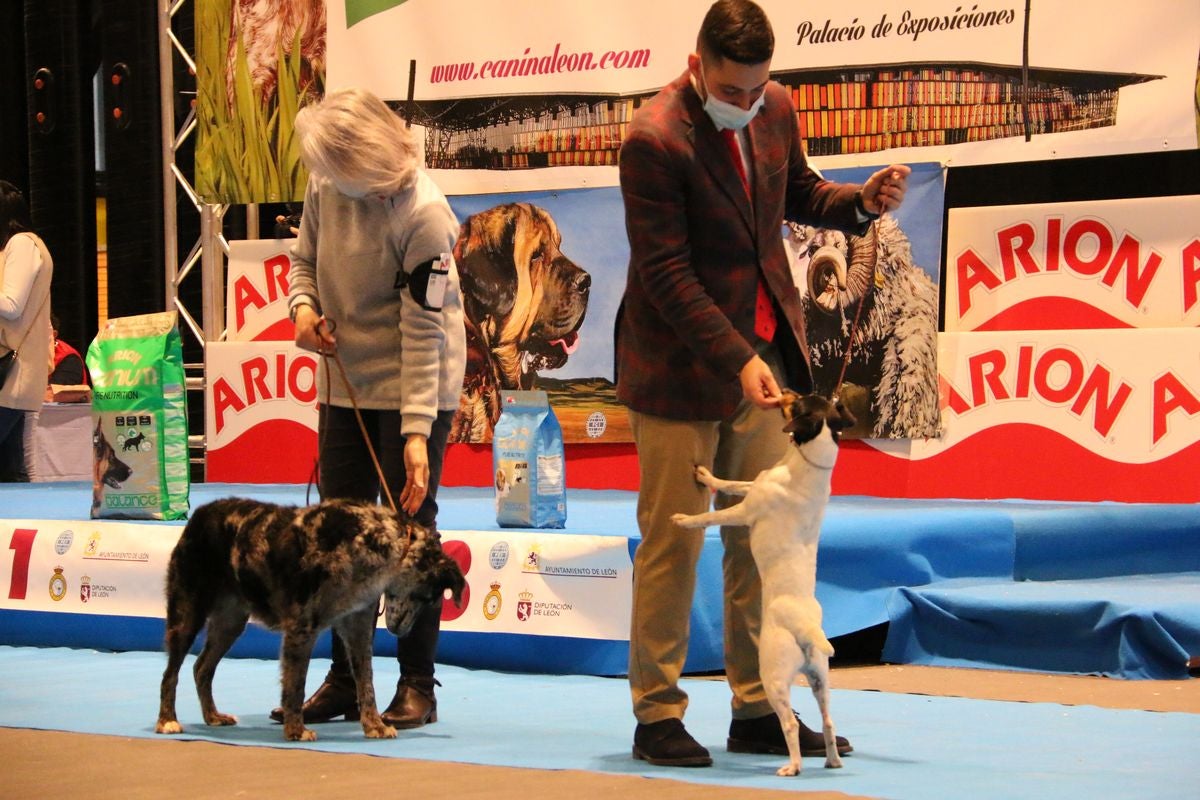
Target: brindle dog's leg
{"points": [[358, 634], [294, 655], [225, 624], [184, 620]]}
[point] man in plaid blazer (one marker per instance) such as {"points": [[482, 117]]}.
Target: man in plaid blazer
{"points": [[710, 327]]}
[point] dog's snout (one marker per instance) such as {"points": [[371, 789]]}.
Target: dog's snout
{"points": [[583, 282]]}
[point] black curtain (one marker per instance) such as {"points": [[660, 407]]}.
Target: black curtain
{"points": [[59, 64], [133, 157], [14, 138]]}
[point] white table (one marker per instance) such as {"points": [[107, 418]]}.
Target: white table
{"points": [[63, 442]]}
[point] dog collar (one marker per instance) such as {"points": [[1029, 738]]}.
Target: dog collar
{"points": [[812, 463]]}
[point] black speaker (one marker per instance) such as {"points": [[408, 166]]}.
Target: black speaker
{"points": [[58, 71], [132, 136], [14, 138]]}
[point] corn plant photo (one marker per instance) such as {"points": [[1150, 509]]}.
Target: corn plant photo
{"points": [[257, 62]]}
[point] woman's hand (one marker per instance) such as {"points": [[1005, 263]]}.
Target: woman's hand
{"points": [[416, 468], [312, 332]]}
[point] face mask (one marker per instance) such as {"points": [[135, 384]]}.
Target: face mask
{"points": [[727, 115]]}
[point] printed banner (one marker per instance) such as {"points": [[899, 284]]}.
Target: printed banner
{"points": [[91, 567], [555, 85], [568, 585], [1058, 415], [256, 291], [260, 413], [1132, 263], [503, 90], [1123, 395], [886, 376], [542, 584], [581, 234]]}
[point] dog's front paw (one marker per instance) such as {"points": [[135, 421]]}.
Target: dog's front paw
{"points": [[788, 771], [382, 731], [299, 734], [168, 726], [833, 761], [217, 719]]}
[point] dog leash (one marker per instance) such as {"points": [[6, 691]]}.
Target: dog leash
{"points": [[858, 311], [331, 326]]}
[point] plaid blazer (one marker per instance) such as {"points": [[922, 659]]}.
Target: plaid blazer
{"points": [[698, 246]]}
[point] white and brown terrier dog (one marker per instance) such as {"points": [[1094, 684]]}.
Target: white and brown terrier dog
{"points": [[783, 508]]}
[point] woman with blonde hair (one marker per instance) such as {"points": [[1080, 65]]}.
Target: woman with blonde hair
{"points": [[373, 280], [25, 272]]}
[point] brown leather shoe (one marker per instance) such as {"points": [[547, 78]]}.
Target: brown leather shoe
{"points": [[336, 697], [414, 704]]}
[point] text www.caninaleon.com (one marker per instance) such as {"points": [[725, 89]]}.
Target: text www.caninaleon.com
{"points": [[527, 64]]}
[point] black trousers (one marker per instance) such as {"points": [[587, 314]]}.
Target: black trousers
{"points": [[12, 446], [346, 470]]}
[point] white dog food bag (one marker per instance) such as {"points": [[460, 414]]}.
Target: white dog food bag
{"points": [[139, 419], [528, 463]]}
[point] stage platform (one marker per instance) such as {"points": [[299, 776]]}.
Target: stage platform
{"points": [[1097, 588]]}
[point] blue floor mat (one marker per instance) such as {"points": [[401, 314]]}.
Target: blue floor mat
{"points": [[907, 747]]}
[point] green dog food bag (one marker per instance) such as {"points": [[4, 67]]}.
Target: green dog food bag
{"points": [[140, 464]]}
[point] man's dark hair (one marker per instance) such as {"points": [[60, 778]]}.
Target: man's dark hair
{"points": [[738, 30], [14, 212]]}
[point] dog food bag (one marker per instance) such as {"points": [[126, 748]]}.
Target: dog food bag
{"points": [[528, 463], [139, 419]]}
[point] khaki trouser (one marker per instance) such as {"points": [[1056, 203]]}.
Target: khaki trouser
{"points": [[664, 576]]}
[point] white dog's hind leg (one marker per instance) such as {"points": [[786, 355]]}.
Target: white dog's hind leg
{"points": [[779, 659], [817, 672]]}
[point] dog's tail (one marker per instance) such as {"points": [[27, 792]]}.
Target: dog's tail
{"points": [[815, 638]]}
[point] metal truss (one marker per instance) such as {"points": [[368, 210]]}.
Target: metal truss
{"points": [[208, 254]]}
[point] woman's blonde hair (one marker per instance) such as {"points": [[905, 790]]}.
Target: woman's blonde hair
{"points": [[352, 138]]}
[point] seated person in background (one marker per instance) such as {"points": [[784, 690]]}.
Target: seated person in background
{"points": [[68, 381]]}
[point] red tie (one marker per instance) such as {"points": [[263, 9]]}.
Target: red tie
{"points": [[764, 311]]}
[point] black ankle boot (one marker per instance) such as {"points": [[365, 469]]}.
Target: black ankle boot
{"points": [[414, 704], [336, 697]]}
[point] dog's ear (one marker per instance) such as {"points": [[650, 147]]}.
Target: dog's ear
{"points": [[486, 269], [447, 575], [797, 408], [530, 236], [841, 419], [787, 404], [804, 428]]}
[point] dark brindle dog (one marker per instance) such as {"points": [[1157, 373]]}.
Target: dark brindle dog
{"points": [[299, 571]]}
